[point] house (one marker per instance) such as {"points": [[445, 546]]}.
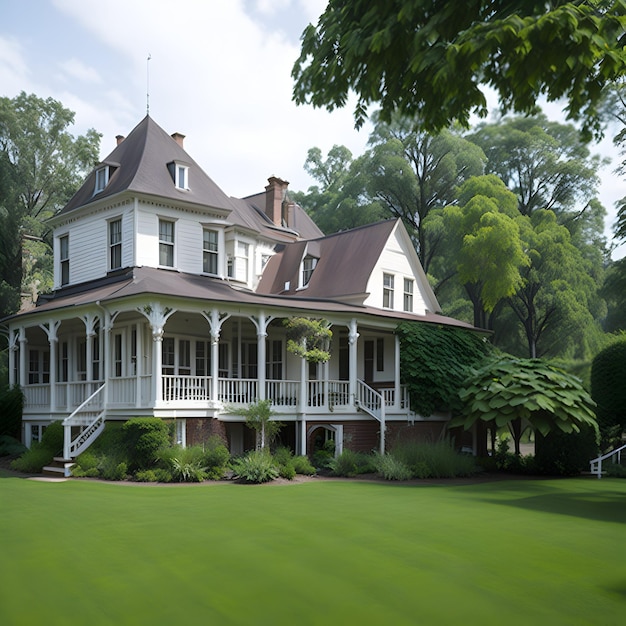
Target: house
{"points": [[169, 300]]}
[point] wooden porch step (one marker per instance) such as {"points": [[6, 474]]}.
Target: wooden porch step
{"points": [[59, 467]]}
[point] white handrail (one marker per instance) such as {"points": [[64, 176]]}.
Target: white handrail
{"points": [[596, 464], [372, 402], [94, 428], [68, 419]]}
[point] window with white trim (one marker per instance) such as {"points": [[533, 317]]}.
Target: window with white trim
{"points": [[38, 366], [166, 243], [308, 265], [182, 176], [210, 251], [64, 259], [388, 280], [408, 295], [102, 179], [115, 244]]}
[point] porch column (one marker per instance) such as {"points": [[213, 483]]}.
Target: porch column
{"points": [[261, 322], [157, 315], [90, 320], [398, 390], [215, 324], [353, 337], [51, 331], [138, 365], [13, 355], [303, 385], [23, 347], [107, 327], [303, 437]]}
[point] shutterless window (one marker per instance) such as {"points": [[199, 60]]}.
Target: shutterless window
{"points": [[102, 179], [64, 257], [408, 294], [166, 243], [209, 252], [115, 244], [388, 291], [308, 265], [181, 177], [168, 356]]}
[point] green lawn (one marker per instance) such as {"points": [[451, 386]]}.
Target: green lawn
{"points": [[513, 552]]}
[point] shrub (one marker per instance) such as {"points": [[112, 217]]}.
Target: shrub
{"points": [[303, 466], [163, 475], [287, 471], [613, 470], [565, 454], [433, 460], [391, 468], [145, 436], [185, 464], [11, 408], [52, 438], [216, 457], [42, 452], [87, 460], [350, 463], [146, 476], [256, 467], [112, 471], [607, 387], [33, 460], [9, 446]]}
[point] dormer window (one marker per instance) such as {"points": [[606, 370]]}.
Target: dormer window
{"points": [[64, 259], [180, 175], [102, 178], [308, 265]]}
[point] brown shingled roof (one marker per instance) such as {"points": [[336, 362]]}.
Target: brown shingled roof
{"points": [[140, 163], [346, 261]]}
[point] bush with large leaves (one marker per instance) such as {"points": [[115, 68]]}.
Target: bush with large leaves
{"points": [[509, 391]]}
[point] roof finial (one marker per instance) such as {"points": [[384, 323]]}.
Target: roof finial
{"points": [[148, 84]]}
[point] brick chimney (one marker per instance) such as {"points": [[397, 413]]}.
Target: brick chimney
{"points": [[179, 139], [275, 194], [119, 139]]}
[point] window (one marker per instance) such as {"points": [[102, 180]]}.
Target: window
{"points": [[102, 178], [64, 362], [408, 294], [115, 244], [33, 367], [182, 176], [64, 258], [209, 251], [308, 265], [166, 243], [239, 269], [184, 357], [203, 358], [118, 358], [168, 356], [81, 359], [388, 291], [274, 365]]}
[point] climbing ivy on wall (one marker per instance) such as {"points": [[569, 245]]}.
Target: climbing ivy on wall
{"points": [[434, 362]]}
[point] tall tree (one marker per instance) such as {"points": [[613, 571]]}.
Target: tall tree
{"points": [[485, 244], [413, 172], [340, 201], [557, 304], [431, 58], [46, 164]]}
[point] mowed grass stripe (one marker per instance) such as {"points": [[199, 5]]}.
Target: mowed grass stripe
{"points": [[514, 552]]}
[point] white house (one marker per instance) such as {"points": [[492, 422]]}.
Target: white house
{"points": [[169, 301]]}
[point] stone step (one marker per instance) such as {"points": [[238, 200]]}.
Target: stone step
{"points": [[59, 467]]}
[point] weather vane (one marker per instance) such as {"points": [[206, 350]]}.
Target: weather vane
{"points": [[148, 84]]}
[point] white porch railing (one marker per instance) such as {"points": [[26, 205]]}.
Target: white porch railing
{"points": [[190, 388], [283, 392], [596, 464], [372, 402], [238, 390], [89, 417], [36, 396]]}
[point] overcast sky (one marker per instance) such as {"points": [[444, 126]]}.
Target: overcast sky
{"points": [[219, 73]]}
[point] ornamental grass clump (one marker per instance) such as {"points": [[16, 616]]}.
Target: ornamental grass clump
{"points": [[256, 467], [433, 459], [42, 452], [350, 463], [391, 468]]}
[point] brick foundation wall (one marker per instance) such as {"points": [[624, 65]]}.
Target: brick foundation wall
{"points": [[199, 430]]}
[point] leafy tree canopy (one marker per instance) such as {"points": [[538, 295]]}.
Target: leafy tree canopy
{"points": [[432, 59], [509, 391], [308, 338]]}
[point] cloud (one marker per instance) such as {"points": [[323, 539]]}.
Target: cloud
{"points": [[14, 71], [76, 69]]}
